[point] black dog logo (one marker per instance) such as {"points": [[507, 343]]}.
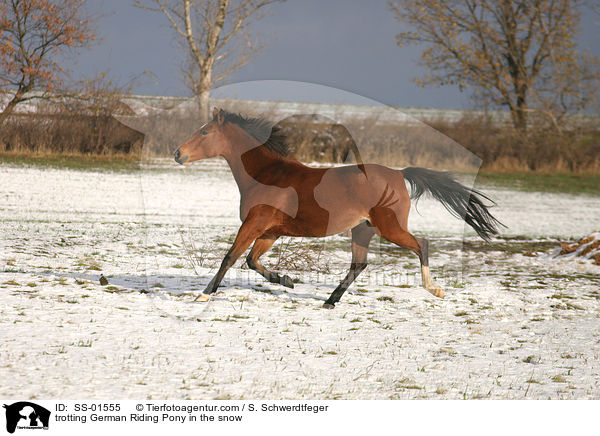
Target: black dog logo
{"points": [[26, 415]]}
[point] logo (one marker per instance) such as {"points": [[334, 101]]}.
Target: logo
{"points": [[26, 415]]}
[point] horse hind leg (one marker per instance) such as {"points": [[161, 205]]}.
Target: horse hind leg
{"points": [[260, 247], [387, 224], [425, 273], [361, 237]]}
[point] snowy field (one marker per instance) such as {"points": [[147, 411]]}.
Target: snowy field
{"points": [[515, 323]]}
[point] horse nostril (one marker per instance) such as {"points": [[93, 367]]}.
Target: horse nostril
{"points": [[178, 158]]}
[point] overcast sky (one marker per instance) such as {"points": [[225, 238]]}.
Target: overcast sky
{"points": [[343, 44]]}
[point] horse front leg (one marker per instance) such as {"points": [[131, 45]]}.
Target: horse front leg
{"points": [[261, 246], [250, 230]]}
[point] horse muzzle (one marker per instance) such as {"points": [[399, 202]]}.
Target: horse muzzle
{"points": [[179, 158]]}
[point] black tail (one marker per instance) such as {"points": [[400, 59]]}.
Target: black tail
{"points": [[459, 200]]}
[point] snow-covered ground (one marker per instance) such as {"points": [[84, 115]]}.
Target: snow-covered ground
{"points": [[516, 323]]}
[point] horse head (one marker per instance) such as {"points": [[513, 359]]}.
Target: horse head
{"points": [[208, 141]]}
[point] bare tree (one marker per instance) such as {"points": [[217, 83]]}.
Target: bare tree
{"points": [[32, 34], [516, 53], [595, 6], [216, 38]]}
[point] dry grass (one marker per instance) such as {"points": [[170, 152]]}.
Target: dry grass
{"points": [[461, 145], [386, 144], [299, 254], [540, 149]]}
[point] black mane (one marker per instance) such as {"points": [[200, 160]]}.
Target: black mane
{"points": [[264, 131]]}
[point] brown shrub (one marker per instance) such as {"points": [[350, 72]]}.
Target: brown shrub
{"points": [[502, 149], [69, 134]]}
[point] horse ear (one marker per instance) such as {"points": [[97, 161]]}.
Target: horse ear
{"points": [[220, 117]]}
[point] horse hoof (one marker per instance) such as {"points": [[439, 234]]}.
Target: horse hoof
{"points": [[202, 298], [328, 306], [437, 291], [287, 282]]}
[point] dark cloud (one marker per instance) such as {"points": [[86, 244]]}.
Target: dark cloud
{"points": [[339, 43]]}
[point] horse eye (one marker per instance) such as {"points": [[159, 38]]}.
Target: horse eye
{"points": [[204, 133]]}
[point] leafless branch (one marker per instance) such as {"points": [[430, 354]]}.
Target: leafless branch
{"points": [[213, 33]]}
